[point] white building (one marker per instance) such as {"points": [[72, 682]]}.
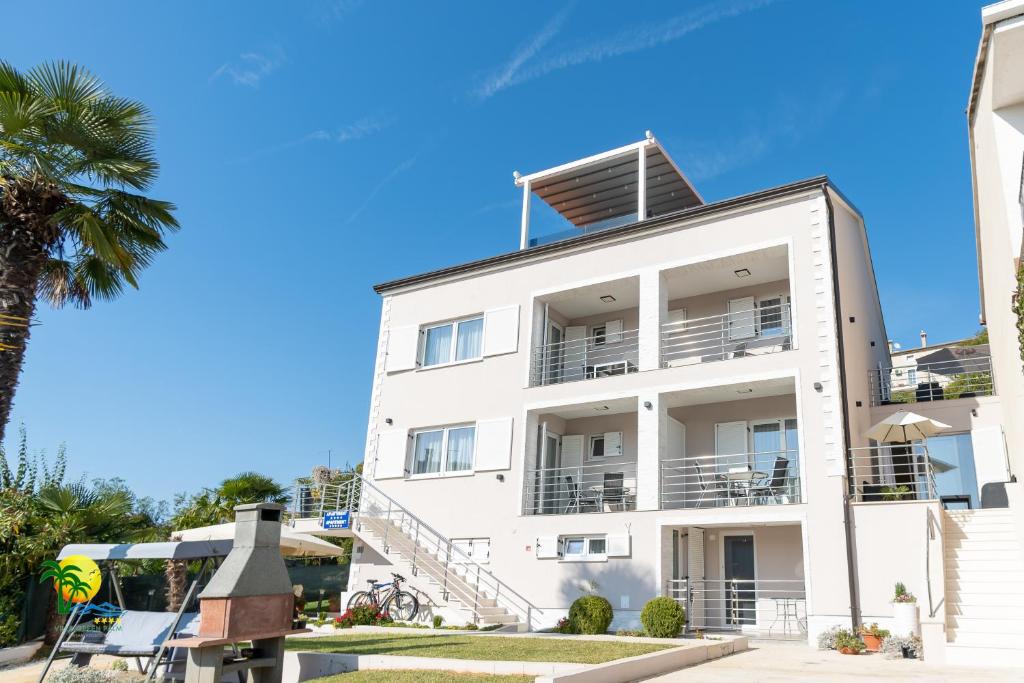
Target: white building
{"points": [[676, 406]]}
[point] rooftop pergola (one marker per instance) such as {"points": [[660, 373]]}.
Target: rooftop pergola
{"points": [[637, 181]]}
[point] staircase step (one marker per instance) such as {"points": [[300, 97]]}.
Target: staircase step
{"points": [[958, 597], [971, 543], [998, 640], [979, 611], [500, 619], [985, 572], [962, 625], [970, 586], [968, 655]]}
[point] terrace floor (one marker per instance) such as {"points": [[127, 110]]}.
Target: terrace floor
{"points": [[799, 662]]}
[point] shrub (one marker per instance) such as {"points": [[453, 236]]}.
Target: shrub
{"points": [[564, 626], [364, 615], [873, 630], [893, 646], [629, 633], [900, 594], [470, 627], [438, 620], [80, 674], [845, 640], [119, 665], [590, 614], [827, 638], [663, 617]]}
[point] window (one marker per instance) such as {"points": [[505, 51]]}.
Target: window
{"points": [[459, 340], [597, 446], [582, 548], [600, 335], [912, 376], [771, 317], [437, 452]]}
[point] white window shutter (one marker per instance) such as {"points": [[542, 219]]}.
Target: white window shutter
{"points": [[548, 547], [612, 444], [695, 572], [613, 332], [572, 450], [618, 545], [494, 444], [403, 348], [501, 330], [741, 318], [392, 452]]}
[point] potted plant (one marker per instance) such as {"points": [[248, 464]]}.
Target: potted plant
{"points": [[848, 644], [905, 615], [873, 637]]}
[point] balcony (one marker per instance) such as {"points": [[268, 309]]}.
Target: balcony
{"points": [[577, 489], [893, 472], [764, 329], [943, 375], [712, 481]]}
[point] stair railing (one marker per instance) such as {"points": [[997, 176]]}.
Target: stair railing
{"points": [[364, 500]]}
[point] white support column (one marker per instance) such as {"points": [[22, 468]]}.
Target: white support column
{"points": [[641, 184], [651, 435], [524, 229], [653, 313]]}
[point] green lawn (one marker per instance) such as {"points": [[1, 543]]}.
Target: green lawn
{"points": [[493, 648], [420, 677]]}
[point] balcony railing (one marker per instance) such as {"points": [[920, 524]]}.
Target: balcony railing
{"points": [[713, 481], [602, 487], [962, 377], [776, 608], [766, 329], [893, 473], [604, 355]]}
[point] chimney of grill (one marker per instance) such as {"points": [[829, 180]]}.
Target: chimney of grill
{"points": [[251, 593], [924, 339]]}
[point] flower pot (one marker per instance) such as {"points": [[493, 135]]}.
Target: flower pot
{"points": [[871, 643], [906, 621], [849, 651]]}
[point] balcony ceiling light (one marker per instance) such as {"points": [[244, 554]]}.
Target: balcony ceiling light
{"points": [[607, 298], [601, 409], [745, 391], [742, 272]]}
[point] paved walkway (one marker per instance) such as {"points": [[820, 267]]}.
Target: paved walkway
{"points": [[782, 662]]}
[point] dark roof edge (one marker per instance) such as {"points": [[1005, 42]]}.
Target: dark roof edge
{"points": [[639, 227]]}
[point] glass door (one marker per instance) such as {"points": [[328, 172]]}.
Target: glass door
{"points": [[740, 588], [547, 466], [555, 354]]}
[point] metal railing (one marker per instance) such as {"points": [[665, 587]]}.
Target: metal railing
{"points": [[603, 355], [964, 377], [600, 487], [423, 547], [761, 330], [776, 608], [711, 481], [313, 500], [892, 472]]}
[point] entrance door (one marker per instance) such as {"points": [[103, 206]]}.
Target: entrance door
{"points": [[738, 572]]}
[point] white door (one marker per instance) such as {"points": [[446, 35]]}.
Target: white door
{"points": [[731, 445], [675, 345], [555, 354], [741, 324]]}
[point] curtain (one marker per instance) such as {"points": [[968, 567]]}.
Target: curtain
{"points": [[470, 341], [438, 347], [460, 449], [427, 454]]}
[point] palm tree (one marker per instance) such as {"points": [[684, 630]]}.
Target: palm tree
{"points": [[217, 505], [75, 225]]}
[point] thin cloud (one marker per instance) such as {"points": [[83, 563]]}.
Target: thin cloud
{"points": [[384, 182], [508, 74], [641, 37], [251, 67], [708, 160], [358, 130], [336, 10]]}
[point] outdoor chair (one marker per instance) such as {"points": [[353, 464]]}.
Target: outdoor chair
{"points": [[707, 485], [612, 492], [578, 497], [137, 634], [777, 486]]}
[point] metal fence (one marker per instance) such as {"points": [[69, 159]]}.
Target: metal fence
{"points": [[602, 487], [761, 330], [709, 481], [892, 472], [774, 608], [967, 376], [601, 355]]}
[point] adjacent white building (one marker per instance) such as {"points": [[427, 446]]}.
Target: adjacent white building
{"points": [[672, 397]]}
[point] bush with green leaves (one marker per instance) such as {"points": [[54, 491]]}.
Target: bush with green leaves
{"points": [[847, 640], [438, 620], [590, 615], [827, 638], [119, 665], [663, 617]]}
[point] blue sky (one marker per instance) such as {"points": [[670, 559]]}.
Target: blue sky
{"points": [[316, 149]]}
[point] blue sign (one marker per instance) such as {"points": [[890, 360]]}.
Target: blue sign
{"points": [[339, 519]]}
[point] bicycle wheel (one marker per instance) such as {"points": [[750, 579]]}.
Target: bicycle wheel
{"points": [[402, 606], [359, 599]]}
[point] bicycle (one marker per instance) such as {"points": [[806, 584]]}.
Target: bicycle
{"points": [[394, 602]]}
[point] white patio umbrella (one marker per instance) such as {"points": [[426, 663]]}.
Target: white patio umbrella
{"points": [[903, 426], [293, 543]]}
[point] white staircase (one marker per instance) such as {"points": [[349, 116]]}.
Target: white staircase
{"points": [[984, 566], [418, 551]]}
